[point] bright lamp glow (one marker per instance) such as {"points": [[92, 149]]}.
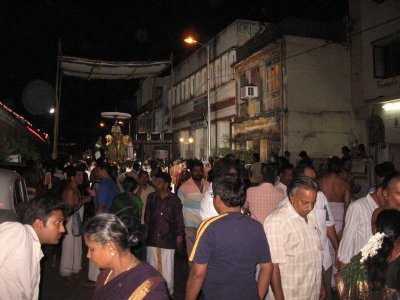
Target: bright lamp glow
{"points": [[181, 140], [391, 106], [190, 40], [52, 110], [190, 140]]}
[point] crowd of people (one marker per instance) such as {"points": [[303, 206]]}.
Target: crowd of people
{"points": [[271, 230]]}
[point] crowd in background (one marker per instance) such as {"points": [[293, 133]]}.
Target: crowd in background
{"points": [[275, 229]]}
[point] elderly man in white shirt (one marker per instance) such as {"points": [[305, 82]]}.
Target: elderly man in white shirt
{"points": [[357, 230], [21, 252], [295, 246], [325, 223]]}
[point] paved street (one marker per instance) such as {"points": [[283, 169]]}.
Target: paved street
{"points": [[56, 287]]}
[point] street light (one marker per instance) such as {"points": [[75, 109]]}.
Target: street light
{"points": [[191, 41], [52, 110]]}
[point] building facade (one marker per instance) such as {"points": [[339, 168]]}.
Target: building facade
{"points": [[152, 123], [188, 92], [375, 76], [293, 87]]}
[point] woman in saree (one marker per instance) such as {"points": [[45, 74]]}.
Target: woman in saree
{"points": [[373, 273], [123, 276]]}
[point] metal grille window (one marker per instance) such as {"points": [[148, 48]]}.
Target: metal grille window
{"points": [[272, 78], [387, 59]]}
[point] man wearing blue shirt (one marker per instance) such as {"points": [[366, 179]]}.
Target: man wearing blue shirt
{"points": [[107, 190], [228, 248]]}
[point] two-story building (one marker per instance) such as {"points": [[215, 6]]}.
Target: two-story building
{"points": [[293, 90]]}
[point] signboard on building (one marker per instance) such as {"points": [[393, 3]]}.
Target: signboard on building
{"points": [[260, 125], [198, 122], [200, 105]]}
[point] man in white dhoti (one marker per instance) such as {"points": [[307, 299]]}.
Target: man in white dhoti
{"points": [[71, 256]]}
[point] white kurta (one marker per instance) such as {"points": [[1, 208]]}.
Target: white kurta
{"points": [[20, 255], [207, 209]]}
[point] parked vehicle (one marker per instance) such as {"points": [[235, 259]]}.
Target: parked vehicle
{"points": [[13, 195]]}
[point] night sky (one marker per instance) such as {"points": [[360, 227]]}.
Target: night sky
{"points": [[119, 31]]}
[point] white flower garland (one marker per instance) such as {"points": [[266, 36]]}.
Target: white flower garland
{"points": [[372, 247]]}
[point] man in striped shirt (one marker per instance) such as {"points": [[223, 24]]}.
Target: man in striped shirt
{"points": [[357, 230], [190, 193]]}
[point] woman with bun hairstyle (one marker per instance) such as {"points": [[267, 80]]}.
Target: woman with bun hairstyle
{"points": [[123, 276]]}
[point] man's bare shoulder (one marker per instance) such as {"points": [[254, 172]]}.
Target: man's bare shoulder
{"points": [[332, 180]]}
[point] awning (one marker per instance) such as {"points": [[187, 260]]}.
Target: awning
{"points": [[100, 69]]}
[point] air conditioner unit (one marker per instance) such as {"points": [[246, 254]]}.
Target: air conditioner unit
{"points": [[248, 92]]}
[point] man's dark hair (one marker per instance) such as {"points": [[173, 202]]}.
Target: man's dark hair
{"points": [[334, 164], [302, 182], [269, 172], [230, 189], [101, 164], [285, 167], [221, 167], [129, 184], [389, 178], [196, 163], [345, 150], [153, 165], [136, 166], [164, 176], [42, 208], [142, 172], [128, 164], [230, 156], [300, 169], [71, 171], [384, 169], [303, 154], [189, 164]]}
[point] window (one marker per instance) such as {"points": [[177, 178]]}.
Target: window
{"points": [[158, 96], [193, 86], [217, 72], [187, 91], [386, 58], [178, 94], [174, 96], [272, 79], [204, 76], [243, 80], [211, 76], [224, 68], [198, 84], [183, 91]]}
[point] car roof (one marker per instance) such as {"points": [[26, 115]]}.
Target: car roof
{"points": [[13, 166]]}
